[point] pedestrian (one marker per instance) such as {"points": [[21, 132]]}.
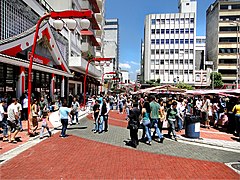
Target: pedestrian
{"points": [[25, 107], [34, 119], [44, 119], [106, 115], [102, 113], [155, 108], [128, 107], [146, 110], [13, 125], [236, 111], [162, 115], [172, 115], [42, 106], [3, 119], [75, 108], [64, 113], [133, 125], [96, 110], [205, 109], [19, 109]]}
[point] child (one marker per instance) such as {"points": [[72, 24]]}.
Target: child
{"points": [[44, 124]]}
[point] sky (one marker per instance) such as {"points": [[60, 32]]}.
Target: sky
{"points": [[131, 15]]}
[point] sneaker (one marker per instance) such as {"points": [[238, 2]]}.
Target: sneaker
{"points": [[95, 131], [40, 137], [162, 139], [175, 139], [149, 143]]}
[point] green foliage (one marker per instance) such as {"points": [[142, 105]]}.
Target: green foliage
{"points": [[182, 85], [217, 79]]}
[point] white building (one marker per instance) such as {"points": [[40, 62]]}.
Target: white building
{"points": [[169, 45]]}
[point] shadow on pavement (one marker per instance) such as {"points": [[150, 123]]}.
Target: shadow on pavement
{"points": [[72, 128]]}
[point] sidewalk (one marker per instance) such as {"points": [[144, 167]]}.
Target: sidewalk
{"points": [[23, 137]]}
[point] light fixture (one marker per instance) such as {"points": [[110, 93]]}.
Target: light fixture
{"points": [[71, 24], [58, 24], [97, 63], [102, 63], [84, 23], [108, 63]]}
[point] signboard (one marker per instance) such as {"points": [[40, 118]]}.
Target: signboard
{"points": [[39, 59]]}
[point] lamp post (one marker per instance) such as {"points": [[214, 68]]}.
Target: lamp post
{"points": [[237, 78], [99, 61], [104, 75], [58, 23]]}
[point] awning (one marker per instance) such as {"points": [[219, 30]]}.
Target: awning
{"points": [[91, 36], [24, 63]]}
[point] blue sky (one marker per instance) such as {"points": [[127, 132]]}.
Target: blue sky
{"points": [[131, 15]]}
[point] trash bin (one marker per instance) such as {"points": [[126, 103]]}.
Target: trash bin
{"points": [[192, 126]]}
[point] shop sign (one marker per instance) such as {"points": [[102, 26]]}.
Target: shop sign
{"points": [[39, 59]]}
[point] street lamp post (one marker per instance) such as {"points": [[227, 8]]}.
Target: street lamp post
{"points": [[104, 75], [56, 16], [86, 73]]}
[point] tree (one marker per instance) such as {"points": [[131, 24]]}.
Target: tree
{"points": [[217, 79], [182, 85]]}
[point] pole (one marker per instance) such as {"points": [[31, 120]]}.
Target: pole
{"points": [[237, 55], [213, 77], [85, 83], [102, 81], [30, 67]]}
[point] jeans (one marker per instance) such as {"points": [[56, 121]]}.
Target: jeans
{"points": [[106, 123], [180, 124], [5, 127], [171, 128], [237, 121], [147, 127], [99, 124], [20, 122], [44, 125], [75, 114], [64, 127], [215, 115], [155, 125]]}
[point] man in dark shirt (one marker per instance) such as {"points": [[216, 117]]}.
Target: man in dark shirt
{"points": [[96, 109], [133, 125]]}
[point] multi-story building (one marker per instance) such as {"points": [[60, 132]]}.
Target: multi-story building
{"points": [[61, 58], [222, 38], [200, 52], [169, 45]]}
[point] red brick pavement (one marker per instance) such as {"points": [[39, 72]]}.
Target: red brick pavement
{"points": [[77, 158], [117, 119]]}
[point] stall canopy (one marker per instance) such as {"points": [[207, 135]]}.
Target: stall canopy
{"points": [[162, 89]]}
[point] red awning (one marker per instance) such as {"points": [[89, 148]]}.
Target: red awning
{"points": [[95, 6], [91, 36]]}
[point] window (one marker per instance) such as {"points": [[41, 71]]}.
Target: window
{"points": [[182, 20], [157, 71], [222, 29], [161, 61], [166, 61], [187, 20], [186, 51], [152, 71], [176, 61], [171, 61], [185, 71], [162, 21], [176, 51], [162, 41], [191, 41], [181, 61], [186, 61], [153, 21], [191, 61], [191, 30], [166, 71], [152, 51], [153, 31], [192, 20], [177, 20], [153, 41], [172, 41], [157, 31], [186, 41], [186, 31], [167, 31], [157, 51], [172, 31], [190, 71], [171, 71], [171, 51], [181, 72], [191, 51], [177, 31], [157, 62], [162, 51], [152, 62], [167, 41], [228, 39], [228, 61], [166, 51], [228, 50], [172, 21], [176, 41], [158, 21], [162, 31], [161, 71], [230, 18], [181, 41], [167, 21], [181, 31], [236, 6], [223, 6], [157, 41]]}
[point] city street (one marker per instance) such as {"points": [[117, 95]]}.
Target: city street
{"points": [[84, 154]]}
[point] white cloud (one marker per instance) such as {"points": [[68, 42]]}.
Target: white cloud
{"points": [[125, 65], [135, 63]]}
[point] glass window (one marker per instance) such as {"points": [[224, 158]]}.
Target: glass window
{"points": [[172, 31], [191, 51], [186, 31], [162, 21], [162, 31], [186, 41], [186, 51], [157, 71], [167, 41], [191, 30], [192, 20], [166, 61], [152, 61], [158, 21], [162, 51], [171, 71], [182, 20], [152, 71], [176, 41], [167, 31], [187, 20], [181, 72], [176, 51], [176, 71], [181, 31], [166, 71], [171, 51], [190, 71], [228, 39], [153, 31], [171, 61], [185, 71], [152, 51], [191, 61], [172, 41], [167, 21], [161, 71], [181, 41], [161, 61], [177, 20], [181, 61], [153, 41], [186, 61], [176, 61], [157, 51], [191, 41], [157, 41], [223, 6], [157, 62], [177, 31], [172, 21], [157, 31], [162, 41], [166, 51], [153, 21]]}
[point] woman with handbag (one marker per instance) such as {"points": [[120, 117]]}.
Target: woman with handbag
{"points": [[146, 121]]}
